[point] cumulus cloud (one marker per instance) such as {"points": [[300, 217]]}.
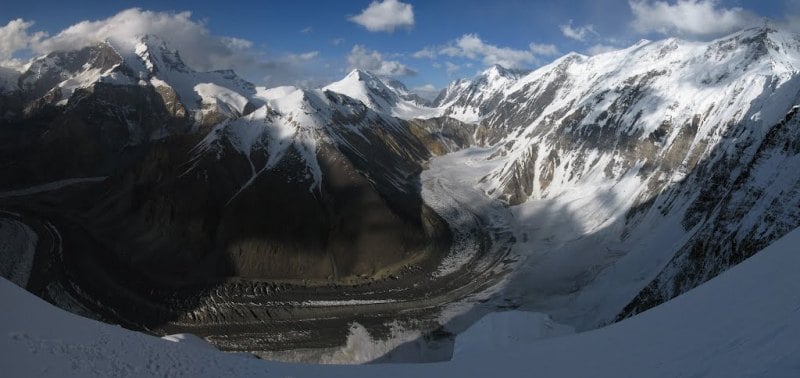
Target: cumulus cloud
{"points": [[471, 46], [428, 52], [792, 22], [199, 49], [451, 68], [701, 18], [427, 91], [14, 37], [578, 33], [304, 56], [386, 16], [362, 58], [544, 49], [601, 48]]}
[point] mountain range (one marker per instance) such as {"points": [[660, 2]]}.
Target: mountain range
{"points": [[630, 176]]}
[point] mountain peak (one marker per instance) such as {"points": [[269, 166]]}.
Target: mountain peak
{"points": [[780, 49], [497, 71], [496, 68], [157, 55], [361, 75]]}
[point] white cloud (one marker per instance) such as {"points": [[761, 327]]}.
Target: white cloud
{"points": [[601, 48], [14, 37], [362, 58], [451, 68], [427, 91], [544, 49], [428, 52], [198, 47], [307, 30], [237, 43], [304, 56], [699, 18], [578, 33], [337, 41], [471, 46], [792, 22], [386, 15]]}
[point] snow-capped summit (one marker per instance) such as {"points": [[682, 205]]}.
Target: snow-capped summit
{"points": [[205, 97], [157, 57], [61, 73], [471, 100], [383, 95], [367, 88], [221, 92], [777, 50]]}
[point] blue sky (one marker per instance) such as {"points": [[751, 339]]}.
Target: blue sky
{"points": [[421, 42]]}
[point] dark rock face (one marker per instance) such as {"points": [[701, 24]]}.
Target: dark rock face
{"points": [[747, 201], [443, 134], [179, 217], [45, 74], [94, 135], [189, 227]]}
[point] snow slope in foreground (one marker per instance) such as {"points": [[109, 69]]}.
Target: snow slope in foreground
{"points": [[745, 322]]}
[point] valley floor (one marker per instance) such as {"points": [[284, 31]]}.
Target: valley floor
{"points": [[742, 323]]}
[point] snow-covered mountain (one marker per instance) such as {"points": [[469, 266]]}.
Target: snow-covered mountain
{"points": [[667, 162], [631, 176], [383, 95], [210, 179], [471, 100], [150, 63], [670, 160]]}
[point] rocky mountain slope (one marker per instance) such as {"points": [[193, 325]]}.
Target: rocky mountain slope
{"points": [[633, 175], [689, 143]]}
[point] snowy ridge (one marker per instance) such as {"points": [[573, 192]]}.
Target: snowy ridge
{"points": [[470, 100], [608, 158], [193, 88], [69, 71], [230, 102], [292, 123], [383, 95], [147, 61], [299, 120]]}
